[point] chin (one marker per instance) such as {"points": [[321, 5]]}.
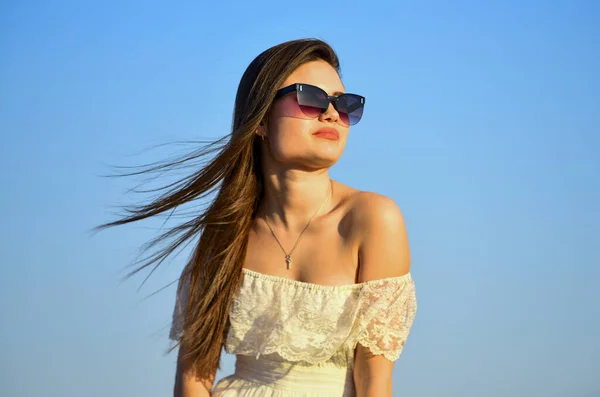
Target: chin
{"points": [[311, 162], [331, 153], [325, 161], [322, 156]]}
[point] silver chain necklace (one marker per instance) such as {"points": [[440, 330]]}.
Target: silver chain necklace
{"points": [[288, 256]]}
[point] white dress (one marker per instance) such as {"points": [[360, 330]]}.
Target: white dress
{"points": [[297, 339]]}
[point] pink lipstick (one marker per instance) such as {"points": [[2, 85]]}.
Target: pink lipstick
{"points": [[327, 133]]}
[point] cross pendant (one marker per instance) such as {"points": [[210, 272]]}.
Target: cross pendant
{"points": [[288, 260]]}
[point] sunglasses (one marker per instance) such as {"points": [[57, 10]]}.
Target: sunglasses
{"points": [[313, 102]]}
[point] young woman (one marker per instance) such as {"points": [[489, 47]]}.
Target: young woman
{"points": [[304, 279]]}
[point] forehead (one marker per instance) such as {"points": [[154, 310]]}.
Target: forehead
{"points": [[317, 73]]}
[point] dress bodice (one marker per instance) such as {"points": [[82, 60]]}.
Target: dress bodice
{"points": [[310, 324]]}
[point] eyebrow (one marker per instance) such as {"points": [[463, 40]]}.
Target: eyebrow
{"points": [[337, 93]]}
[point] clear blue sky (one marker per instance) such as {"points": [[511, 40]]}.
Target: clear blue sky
{"points": [[482, 122]]}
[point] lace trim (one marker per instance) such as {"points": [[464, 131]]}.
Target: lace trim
{"points": [[385, 319], [300, 325], [391, 355], [282, 280], [315, 323]]}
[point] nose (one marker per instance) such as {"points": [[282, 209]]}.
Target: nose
{"points": [[330, 115]]}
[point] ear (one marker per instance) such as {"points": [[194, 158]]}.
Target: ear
{"points": [[261, 130]]}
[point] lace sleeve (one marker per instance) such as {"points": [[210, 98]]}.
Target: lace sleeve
{"points": [[179, 310], [387, 311]]}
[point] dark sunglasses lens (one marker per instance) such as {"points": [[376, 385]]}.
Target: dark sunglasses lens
{"points": [[312, 100], [350, 108]]}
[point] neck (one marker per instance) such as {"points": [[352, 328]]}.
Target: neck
{"points": [[292, 197]]}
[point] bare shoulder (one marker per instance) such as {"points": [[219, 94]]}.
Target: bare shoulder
{"points": [[373, 209], [368, 209], [380, 228]]}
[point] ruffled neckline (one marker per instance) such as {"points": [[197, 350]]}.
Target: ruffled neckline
{"points": [[302, 284]]}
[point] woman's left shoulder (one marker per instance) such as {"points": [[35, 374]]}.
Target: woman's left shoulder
{"points": [[374, 210], [378, 224]]}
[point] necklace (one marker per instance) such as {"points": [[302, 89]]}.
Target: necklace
{"points": [[288, 256]]}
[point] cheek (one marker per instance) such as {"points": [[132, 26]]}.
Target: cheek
{"points": [[289, 132], [288, 123], [288, 107]]}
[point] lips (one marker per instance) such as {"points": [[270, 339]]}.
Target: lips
{"points": [[327, 133]]}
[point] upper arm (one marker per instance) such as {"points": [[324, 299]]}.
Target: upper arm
{"points": [[383, 246], [187, 383], [383, 253]]}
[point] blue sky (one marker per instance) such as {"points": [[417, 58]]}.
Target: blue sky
{"points": [[482, 123]]}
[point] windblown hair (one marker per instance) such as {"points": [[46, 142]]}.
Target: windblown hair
{"points": [[232, 169]]}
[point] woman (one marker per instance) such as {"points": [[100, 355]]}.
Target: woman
{"points": [[304, 279]]}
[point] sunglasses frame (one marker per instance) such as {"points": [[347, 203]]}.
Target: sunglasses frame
{"points": [[333, 99]]}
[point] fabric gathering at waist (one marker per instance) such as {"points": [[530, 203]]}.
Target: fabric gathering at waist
{"points": [[291, 376]]}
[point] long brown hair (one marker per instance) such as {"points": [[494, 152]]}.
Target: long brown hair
{"points": [[213, 273]]}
